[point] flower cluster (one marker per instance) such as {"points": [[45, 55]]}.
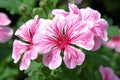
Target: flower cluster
{"points": [[63, 36], [5, 32]]}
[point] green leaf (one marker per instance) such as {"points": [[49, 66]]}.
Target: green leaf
{"points": [[40, 12], [16, 6], [113, 31], [46, 6], [96, 59], [8, 73], [10, 5], [35, 71]]}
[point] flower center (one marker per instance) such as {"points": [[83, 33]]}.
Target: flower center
{"points": [[63, 42]]}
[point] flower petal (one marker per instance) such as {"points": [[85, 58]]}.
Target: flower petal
{"points": [[52, 59], [100, 29], [89, 14], [5, 34], [25, 63], [41, 31], [27, 30], [58, 12], [116, 78], [110, 44], [73, 8], [117, 48], [78, 1], [73, 57], [107, 73], [84, 40], [98, 43], [4, 20], [18, 49], [33, 51]]}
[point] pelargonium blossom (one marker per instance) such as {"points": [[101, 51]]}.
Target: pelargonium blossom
{"points": [[107, 73], [114, 43], [5, 32], [91, 19], [57, 39], [28, 48]]}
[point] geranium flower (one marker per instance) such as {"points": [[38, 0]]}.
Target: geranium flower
{"points": [[95, 24], [28, 48], [5, 32], [114, 43], [91, 19], [107, 73], [57, 39]]}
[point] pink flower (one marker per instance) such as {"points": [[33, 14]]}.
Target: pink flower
{"points": [[114, 43], [107, 73], [97, 25], [92, 21], [5, 32], [77, 1], [28, 48], [58, 38], [4, 20]]}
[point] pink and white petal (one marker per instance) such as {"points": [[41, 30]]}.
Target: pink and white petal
{"points": [[46, 44], [100, 29], [5, 34], [28, 29], [18, 49], [98, 43], [56, 26], [58, 12], [110, 44], [4, 20], [73, 9], [25, 62], [84, 40], [41, 31], [117, 48], [73, 23], [52, 59], [33, 51], [84, 26], [107, 73], [89, 14], [73, 57], [23, 31], [116, 78], [42, 39]]}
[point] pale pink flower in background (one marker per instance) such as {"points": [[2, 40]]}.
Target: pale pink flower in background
{"points": [[59, 36], [79, 1], [4, 20], [29, 50], [76, 1], [114, 43], [107, 73], [5, 32], [92, 21]]}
